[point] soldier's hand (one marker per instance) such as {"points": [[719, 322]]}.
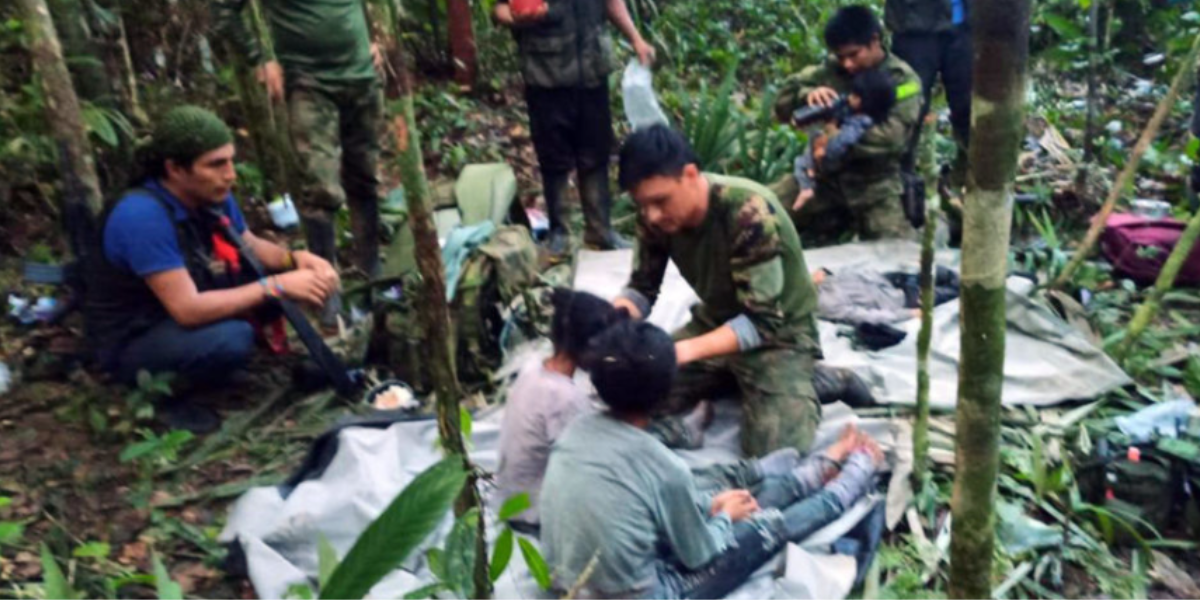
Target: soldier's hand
{"points": [[801, 199], [822, 96], [271, 75], [377, 57]]}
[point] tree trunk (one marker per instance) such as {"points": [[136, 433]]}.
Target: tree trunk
{"points": [[79, 46], [434, 313], [62, 105], [1125, 179], [270, 148], [1001, 30], [462, 42], [1089, 126], [129, 93], [928, 164], [1166, 280]]}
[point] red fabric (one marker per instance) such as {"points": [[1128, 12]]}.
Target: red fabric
{"points": [[526, 7], [1138, 247], [226, 253]]}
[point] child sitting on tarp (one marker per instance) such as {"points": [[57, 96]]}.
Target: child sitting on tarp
{"points": [[544, 399], [620, 506], [872, 96]]}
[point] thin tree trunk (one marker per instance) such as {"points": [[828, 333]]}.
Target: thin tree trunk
{"points": [[130, 94], [462, 42], [1125, 179], [1001, 30], [434, 313], [928, 165], [1089, 126], [62, 105], [1166, 280]]}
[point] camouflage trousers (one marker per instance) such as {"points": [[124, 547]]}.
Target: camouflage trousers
{"points": [[779, 405], [836, 214], [335, 131]]}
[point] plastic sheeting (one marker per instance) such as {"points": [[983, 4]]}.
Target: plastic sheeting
{"points": [[277, 527], [1047, 360]]}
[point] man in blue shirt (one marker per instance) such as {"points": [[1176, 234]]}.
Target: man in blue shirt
{"points": [[166, 292]]}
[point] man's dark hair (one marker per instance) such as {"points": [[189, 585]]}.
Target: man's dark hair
{"points": [[852, 25], [654, 151], [632, 365], [877, 91], [578, 317]]}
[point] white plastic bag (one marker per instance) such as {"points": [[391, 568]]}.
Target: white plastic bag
{"points": [[641, 106]]}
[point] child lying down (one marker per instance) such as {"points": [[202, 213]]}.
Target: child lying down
{"points": [[614, 493], [862, 296]]}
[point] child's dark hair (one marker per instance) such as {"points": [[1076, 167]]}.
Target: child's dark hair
{"points": [[852, 25], [877, 91], [654, 151], [579, 316], [632, 365]]}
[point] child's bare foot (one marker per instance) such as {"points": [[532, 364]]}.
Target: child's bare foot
{"points": [[846, 443]]}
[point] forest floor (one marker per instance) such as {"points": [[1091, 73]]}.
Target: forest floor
{"points": [[84, 469]]}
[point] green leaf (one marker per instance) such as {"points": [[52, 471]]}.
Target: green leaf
{"points": [[425, 591], [97, 122], [501, 554], [535, 562], [327, 559], [460, 554], [11, 532], [299, 591], [1064, 27], [167, 588], [466, 422], [515, 506], [135, 451], [55, 583], [436, 561], [93, 550], [5, 501], [404, 524]]}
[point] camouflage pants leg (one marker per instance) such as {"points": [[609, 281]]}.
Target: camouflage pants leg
{"points": [[315, 129], [779, 405], [824, 220], [361, 113], [879, 215]]}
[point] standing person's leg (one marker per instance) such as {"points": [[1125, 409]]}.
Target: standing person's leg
{"points": [[923, 54], [314, 119], [593, 142], [361, 114], [956, 77], [550, 126], [779, 404]]}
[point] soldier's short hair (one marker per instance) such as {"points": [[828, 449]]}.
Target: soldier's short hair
{"points": [[632, 365], [877, 91], [655, 151], [852, 25], [578, 317]]}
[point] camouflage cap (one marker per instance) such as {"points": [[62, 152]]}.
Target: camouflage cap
{"points": [[186, 132]]}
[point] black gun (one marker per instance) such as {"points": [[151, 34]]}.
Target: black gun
{"points": [[807, 115]]}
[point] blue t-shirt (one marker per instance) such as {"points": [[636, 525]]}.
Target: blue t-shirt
{"points": [[140, 234], [959, 11]]}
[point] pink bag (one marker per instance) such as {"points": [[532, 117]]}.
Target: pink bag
{"points": [[1138, 247]]}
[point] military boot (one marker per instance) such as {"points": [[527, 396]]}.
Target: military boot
{"points": [[597, 206], [364, 224], [837, 383], [321, 235], [554, 185]]}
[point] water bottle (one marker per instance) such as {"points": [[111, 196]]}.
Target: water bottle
{"points": [[283, 212], [637, 89]]}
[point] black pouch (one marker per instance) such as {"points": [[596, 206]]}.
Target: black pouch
{"points": [[913, 199]]}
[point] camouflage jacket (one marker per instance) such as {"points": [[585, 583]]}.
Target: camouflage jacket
{"points": [[872, 165], [921, 16], [325, 39], [570, 47], [744, 259]]}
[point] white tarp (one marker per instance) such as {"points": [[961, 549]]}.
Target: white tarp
{"points": [[278, 534], [1046, 360]]}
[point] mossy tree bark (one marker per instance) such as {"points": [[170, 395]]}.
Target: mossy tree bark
{"points": [[62, 104], [1001, 30], [928, 166], [434, 313]]}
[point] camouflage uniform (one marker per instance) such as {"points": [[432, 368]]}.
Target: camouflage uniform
{"points": [[745, 260], [863, 194], [335, 107]]}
